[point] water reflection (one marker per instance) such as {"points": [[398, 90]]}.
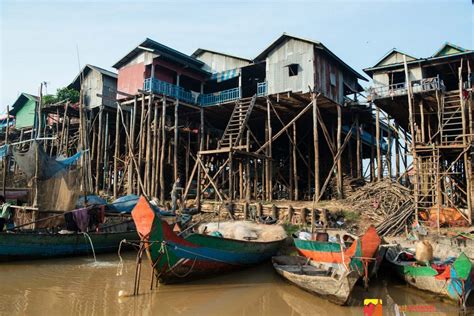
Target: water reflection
{"points": [[81, 286]]}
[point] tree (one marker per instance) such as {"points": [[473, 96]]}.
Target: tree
{"points": [[67, 94], [62, 94]]}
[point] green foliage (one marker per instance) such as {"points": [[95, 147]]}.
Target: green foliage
{"points": [[62, 94], [49, 99], [67, 94]]}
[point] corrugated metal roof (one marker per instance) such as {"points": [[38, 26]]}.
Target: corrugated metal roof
{"points": [[20, 101], [319, 45], [162, 50], [76, 83], [200, 51], [371, 70]]}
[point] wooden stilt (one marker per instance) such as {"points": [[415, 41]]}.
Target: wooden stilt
{"points": [[339, 161], [162, 156], [116, 152], [377, 137]]}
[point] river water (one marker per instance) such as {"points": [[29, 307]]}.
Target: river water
{"points": [[80, 286]]}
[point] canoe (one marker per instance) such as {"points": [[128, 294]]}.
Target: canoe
{"points": [[330, 281], [176, 258], [36, 245], [450, 277], [354, 252]]}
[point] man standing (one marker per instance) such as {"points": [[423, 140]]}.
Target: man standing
{"points": [[4, 212], [174, 194]]}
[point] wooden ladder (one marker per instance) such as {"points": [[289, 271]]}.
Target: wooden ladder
{"points": [[451, 125], [237, 123]]}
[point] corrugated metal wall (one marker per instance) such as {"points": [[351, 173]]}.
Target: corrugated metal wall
{"points": [[218, 62], [277, 62], [328, 77]]}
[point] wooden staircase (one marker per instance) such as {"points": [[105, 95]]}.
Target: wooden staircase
{"points": [[237, 123], [451, 125]]}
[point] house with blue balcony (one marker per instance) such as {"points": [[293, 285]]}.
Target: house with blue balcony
{"points": [[255, 117]]}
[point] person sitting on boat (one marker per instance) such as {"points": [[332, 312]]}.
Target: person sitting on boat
{"points": [[175, 191], [4, 212]]}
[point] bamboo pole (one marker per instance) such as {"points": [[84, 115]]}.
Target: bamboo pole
{"points": [[106, 152], [295, 164], [339, 161], [176, 140], [149, 148], [154, 151], [377, 137], [162, 156], [116, 152], [98, 152], [316, 146], [5, 159], [358, 148], [269, 154]]}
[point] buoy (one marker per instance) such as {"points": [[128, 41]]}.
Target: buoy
{"points": [[122, 293]]}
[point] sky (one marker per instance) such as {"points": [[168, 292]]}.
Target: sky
{"points": [[48, 41]]}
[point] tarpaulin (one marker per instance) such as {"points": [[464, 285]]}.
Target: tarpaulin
{"points": [[47, 166]]}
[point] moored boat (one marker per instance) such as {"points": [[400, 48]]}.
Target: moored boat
{"points": [[342, 247], [450, 277], [330, 281], [178, 258], [41, 245]]}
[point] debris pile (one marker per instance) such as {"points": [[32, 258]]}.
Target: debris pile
{"points": [[386, 204]]}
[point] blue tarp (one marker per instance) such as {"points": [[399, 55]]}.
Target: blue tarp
{"points": [[91, 200], [3, 151], [125, 204], [48, 167]]}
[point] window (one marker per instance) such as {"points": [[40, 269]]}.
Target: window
{"points": [[293, 70], [332, 78]]}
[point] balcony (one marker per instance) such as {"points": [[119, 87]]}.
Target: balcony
{"points": [[220, 97], [208, 99], [169, 89], [400, 89], [261, 89]]}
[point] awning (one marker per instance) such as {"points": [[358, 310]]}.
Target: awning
{"points": [[226, 75]]}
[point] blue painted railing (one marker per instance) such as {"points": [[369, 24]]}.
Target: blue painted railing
{"points": [[168, 89], [261, 89], [209, 99], [219, 97]]}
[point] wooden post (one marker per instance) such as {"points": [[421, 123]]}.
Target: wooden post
{"points": [[269, 154], [162, 156], [176, 140], [201, 147], [377, 137], [5, 159], [116, 152], [413, 136], [106, 152], [98, 152], [141, 142], [295, 164], [154, 150], [358, 148], [372, 154], [133, 118], [388, 157], [339, 161], [149, 147], [397, 151], [315, 146]]}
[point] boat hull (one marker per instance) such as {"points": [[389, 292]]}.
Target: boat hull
{"points": [[335, 288], [364, 248], [455, 282], [22, 246], [177, 259]]}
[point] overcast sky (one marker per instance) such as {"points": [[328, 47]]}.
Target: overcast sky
{"points": [[39, 40]]}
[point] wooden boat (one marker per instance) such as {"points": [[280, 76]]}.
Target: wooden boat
{"points": [[342, 247], [177, 258], [330, 281], [449, 277], [36, 245]]}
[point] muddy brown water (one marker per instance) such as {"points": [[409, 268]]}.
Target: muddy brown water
{"points": [[80, 286]]}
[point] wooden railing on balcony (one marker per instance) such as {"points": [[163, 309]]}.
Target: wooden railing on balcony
{"points": [[398, 89]]}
